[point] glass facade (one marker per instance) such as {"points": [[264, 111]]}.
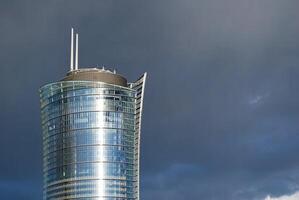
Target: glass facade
{"points": [[90, 141]]}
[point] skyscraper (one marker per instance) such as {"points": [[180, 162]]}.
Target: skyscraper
{"points": [[91, 123]]}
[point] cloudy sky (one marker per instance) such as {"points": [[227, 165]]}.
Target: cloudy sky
{"points": [[221, 118]]}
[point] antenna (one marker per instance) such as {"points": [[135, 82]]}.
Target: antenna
{"points": [[76, 56], [72, 50]]}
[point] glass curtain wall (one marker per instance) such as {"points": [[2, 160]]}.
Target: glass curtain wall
{"points": [[89, 149]]}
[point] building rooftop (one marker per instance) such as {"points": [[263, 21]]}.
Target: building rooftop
{"points": [[96, 74]]}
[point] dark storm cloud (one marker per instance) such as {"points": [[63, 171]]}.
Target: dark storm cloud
{"points": [[221, 108]]}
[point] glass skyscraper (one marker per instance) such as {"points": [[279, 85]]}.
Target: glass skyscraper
{"points": [[91, 136], [91, 122]]}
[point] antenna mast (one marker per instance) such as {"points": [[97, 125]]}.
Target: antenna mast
{"points": [[76, 57], [72, 50]]}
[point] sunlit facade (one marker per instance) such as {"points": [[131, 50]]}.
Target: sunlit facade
{"points": [[91, 124]]}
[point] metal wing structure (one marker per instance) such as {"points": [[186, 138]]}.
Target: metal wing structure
{"points": [[138, 86]]}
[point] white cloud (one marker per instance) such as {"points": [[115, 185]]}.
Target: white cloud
{"points": [[291, 197], [258, 99], [255, 100]]}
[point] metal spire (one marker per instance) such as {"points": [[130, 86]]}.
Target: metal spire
{"points": [[72, 50], [76, 56]]}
